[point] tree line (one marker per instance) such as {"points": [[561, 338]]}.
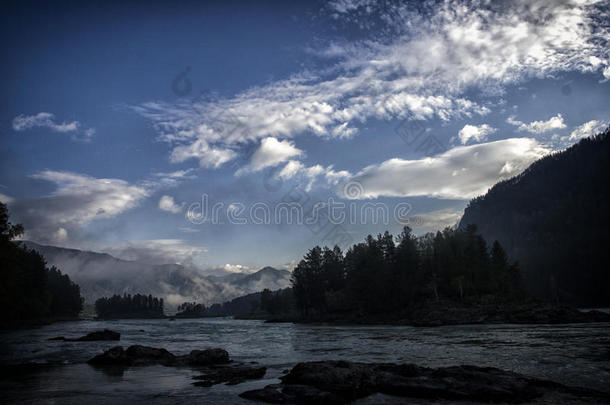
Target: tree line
{"points": [[387, 274], [128, 305], [28, 288]]}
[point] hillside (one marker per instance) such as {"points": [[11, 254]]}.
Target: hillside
{"points": [[555, 219], [100, 274]]}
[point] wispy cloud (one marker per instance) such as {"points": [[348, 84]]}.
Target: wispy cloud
{"points": [[420, 67], [77, 200], [588, 129], [538, 127], [47, 120], [80, 199]]}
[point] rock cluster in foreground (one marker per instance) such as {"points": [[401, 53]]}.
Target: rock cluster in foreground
{"points": [[137, 355], [338, 382], [214, 363], [105, 334]]}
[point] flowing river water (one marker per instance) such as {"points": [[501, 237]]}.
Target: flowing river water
{"points": [[577, 354]]}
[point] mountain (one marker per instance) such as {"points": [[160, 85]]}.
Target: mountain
{"points": [[555, 219], [267, 277], [100, 274]]}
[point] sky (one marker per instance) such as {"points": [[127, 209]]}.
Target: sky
{"points": [[235, 135]]}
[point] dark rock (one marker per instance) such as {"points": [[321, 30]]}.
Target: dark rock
{"points": [[213, 363], [137, 355], [105, 334], [335, 382], [112, 357], [134, 356], [230, 375], [146, 356], [205, 357], [271, 394]]}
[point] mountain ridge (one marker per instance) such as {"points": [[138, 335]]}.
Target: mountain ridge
{"points": [[101, 274]]}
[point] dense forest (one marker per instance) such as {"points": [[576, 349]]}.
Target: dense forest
{"points": [[129, 306], [28, 289], [263, 302], [555, 219], [387, 275]]}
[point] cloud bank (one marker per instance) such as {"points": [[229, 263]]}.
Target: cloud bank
{"points": [[461, 173]]}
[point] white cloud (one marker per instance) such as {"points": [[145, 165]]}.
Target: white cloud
{"points": [[60, 236], [419, 67], [98, 198], [588, 129], [477, 133], [272, 152], [47, 120], [437, 220], [291, 168], [538, 127], [167, 203], [6, 199], [344, 6], [237, 268], [463, 172], [43, 119], [310, 175], [208, 157]]}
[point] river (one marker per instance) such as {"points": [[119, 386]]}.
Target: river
{"points": [[570, 354]]}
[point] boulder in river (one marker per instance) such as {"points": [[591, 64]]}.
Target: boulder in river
{"points": [[338, 382], [138, 355]]}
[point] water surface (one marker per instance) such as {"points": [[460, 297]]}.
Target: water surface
{"points": [[570, 354]]}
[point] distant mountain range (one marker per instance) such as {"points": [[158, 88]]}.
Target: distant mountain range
{"points": [[555, 219], [100, 274]]}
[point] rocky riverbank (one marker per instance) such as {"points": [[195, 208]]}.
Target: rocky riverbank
{"points": [[456, 313], [339, 382]]}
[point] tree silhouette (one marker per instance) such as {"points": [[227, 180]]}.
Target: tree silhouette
{"points": [[28, 289]]}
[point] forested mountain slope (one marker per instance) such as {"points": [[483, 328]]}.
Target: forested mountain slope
{"points": [[555, 219]]}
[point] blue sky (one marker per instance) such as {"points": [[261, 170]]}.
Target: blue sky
{"points": [[118, 119]]}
